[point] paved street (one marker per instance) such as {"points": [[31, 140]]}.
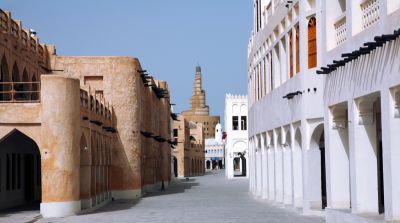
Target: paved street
{"points": [[210, 198]]}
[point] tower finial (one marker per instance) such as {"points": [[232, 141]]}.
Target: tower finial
{"points": [[198, 68]]}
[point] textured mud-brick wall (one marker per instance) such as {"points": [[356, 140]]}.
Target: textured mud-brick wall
{"points": [[60, 138]]}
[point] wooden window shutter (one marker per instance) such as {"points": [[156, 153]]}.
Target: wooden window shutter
{"points": [[312, 43], [290, 55], [297, 49]]}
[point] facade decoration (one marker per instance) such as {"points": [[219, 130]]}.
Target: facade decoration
{"points": [[323, 80]]}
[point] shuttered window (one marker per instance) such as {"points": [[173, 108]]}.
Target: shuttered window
{"points": [[297, 49], [312, 43], [291, 55]]}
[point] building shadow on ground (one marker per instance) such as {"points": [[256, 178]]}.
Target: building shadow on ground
{"points": [[30, 207], [179, 186]]}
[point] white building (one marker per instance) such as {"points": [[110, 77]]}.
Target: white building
{"points": [[236, 155], [215, 150], [327, 140]]}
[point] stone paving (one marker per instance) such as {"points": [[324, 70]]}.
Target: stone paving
{"points": [[210, 198]]}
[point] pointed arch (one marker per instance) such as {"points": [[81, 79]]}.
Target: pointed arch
{"points": [[22, 170], [4, 78], [15, 73], [26, 86]]}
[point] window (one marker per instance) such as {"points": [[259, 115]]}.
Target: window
{"points": [[312, 43], [175, 133], [297, 49], [291, 54], [235, 123], [243, 122]]}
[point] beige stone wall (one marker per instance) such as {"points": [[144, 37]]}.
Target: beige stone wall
{"points": [[189, 153], [137, 161], [208, 122], [72, 118]]}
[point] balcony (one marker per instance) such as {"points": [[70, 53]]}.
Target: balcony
{"points": [[19, 92], [340, 29], [370, 12]]}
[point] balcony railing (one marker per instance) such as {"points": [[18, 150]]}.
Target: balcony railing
{"points": [[341, 30], [97, 109], [19, 92], [370, 12]]}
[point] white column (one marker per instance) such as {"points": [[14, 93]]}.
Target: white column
{"points": [[363, 164], [251, 169], [265, 167], [337, 161], [271, 172], [391, 153], [311, 171], [259, 167], [278, 170], [297, 169], [287, 172]]}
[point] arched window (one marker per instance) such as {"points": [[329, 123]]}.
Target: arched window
{"points": [[4, 78], [26, 86], [16, 78], [312, 43]]}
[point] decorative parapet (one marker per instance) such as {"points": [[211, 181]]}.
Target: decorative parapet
{"points": [[370, 12], [232, 96], [341, 29], [25, 37]]}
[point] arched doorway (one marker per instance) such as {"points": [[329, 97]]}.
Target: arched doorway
{"points": [[318, 144], [243, 159], [220, 164], [4, 79], [192, 168], [175, 166], [236, 164], [208, 164], [20, 166]]}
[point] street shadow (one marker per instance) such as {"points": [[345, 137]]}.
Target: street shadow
{"points": [[34, 206], [178, 186], [115, 205]]}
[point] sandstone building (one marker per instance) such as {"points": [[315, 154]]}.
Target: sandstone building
{"points": [[76, 132], [199, 111], [326, 142], [188, 152]]}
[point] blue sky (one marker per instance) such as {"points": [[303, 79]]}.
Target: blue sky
{"points": [[168, 36]]}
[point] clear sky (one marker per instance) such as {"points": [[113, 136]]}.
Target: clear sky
{"points": [[168, 36]]}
